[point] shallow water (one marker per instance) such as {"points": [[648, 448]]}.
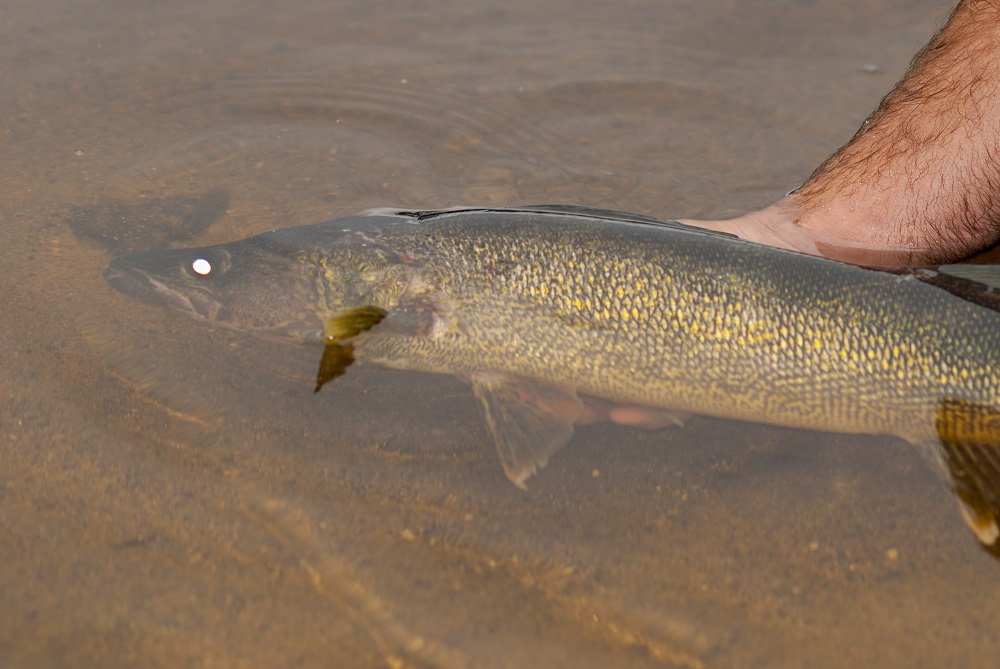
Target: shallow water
{"points": [[172, 494]]}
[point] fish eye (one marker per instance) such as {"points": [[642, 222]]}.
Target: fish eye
{"points": [[209, 263], [201, 266]]}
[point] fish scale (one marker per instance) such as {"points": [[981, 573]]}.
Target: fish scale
{"points": [[538, 306], [806, 347]]}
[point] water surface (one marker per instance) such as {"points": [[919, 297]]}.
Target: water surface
{"points": [[175, 495]]}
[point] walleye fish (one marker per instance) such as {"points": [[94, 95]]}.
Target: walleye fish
{"points": [[536, 306]]}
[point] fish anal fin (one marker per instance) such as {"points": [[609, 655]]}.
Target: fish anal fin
{"points": [[970, 448], [529, 421]]}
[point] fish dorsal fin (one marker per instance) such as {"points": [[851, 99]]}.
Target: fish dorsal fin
{"points": [[971, 453], [529, 421], [619, 216], [986, 275], [563, 210], [592, 212], [979, 284]]}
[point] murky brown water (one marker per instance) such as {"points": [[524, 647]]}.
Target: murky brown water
{"points": [[173, 495]]}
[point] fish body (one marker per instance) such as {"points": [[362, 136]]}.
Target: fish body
{"points": [[539, 305]]}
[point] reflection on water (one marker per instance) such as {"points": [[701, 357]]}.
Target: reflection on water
{"points": [[173, 494]]}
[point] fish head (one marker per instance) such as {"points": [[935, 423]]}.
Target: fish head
{"points": [[281, 285]]}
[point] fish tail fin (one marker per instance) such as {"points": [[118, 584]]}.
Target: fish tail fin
{"points": [[975, 480], [970, 450]]}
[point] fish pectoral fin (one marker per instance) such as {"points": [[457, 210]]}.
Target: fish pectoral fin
{"points": [[529, 421], [343, 325], [351, 322], [335, 361]]}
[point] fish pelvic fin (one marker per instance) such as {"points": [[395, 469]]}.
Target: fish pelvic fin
{"points": [[529, 421], [970, 449]]}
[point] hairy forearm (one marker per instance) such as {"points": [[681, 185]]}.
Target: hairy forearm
{"points": [[923, 172]]}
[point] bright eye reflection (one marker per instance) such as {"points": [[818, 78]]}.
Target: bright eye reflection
{"points": [[201, 266]]}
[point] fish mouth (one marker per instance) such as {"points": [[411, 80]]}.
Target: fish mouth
{"points": [[141, 286]]}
